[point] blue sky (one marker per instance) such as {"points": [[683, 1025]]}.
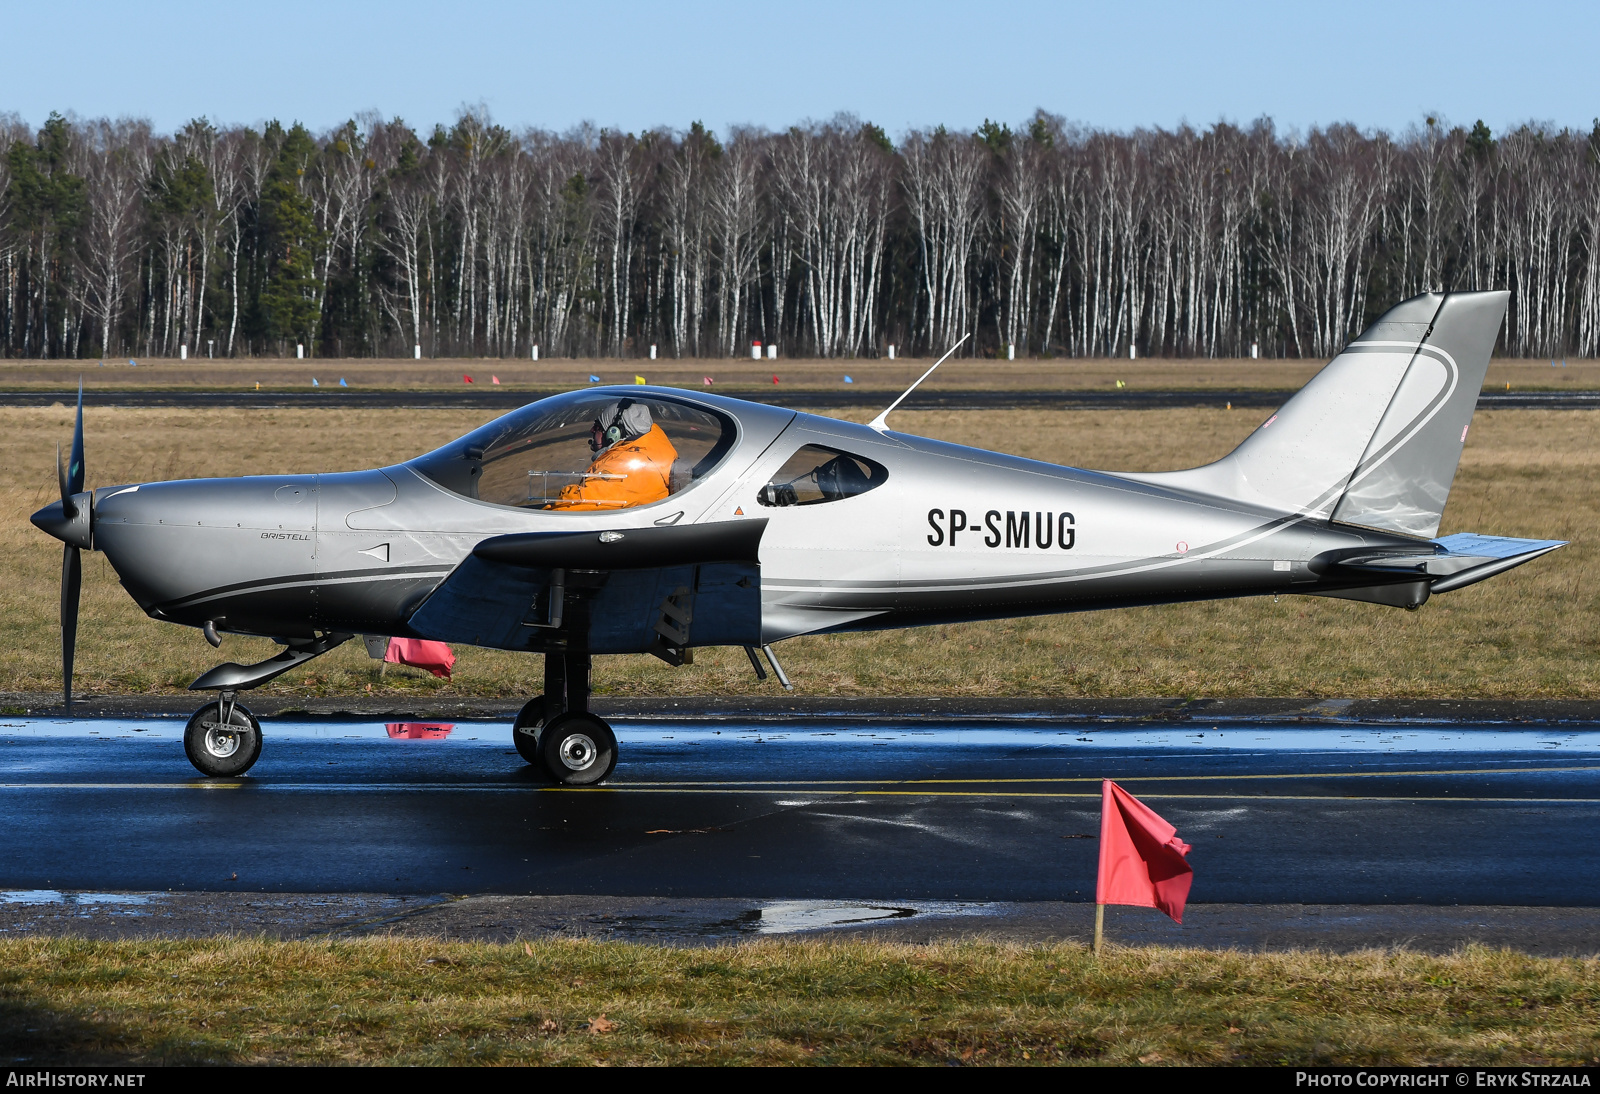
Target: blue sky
{"points": [[902, 65]]}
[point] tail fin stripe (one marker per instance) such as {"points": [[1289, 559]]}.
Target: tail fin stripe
{"points": [[1386, 448]]}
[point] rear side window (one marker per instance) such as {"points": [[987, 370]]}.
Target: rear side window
{"points": [[815, 475]]}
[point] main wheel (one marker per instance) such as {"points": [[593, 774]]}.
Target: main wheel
{"points": [[222, 746], [578, 748], [526, 729]]}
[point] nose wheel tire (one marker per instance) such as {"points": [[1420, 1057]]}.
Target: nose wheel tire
{"points": [[578, 749], [224, 742], [526, 729]]}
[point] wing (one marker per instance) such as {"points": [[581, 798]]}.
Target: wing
{"points": [[628, 590]]}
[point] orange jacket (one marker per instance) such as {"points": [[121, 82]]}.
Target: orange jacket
{"points": [[646, 462]]}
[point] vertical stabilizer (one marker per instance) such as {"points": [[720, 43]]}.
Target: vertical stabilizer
{"points": [[1374, 438], [1404, 475]]}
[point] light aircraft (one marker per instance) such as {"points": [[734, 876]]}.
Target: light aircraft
{"points": [[619, 520]]}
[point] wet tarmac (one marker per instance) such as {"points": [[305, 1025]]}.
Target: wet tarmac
{"points": [[722, 827]]}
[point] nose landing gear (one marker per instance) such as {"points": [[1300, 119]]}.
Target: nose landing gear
{"points": [[223, 738], [555, 731]]}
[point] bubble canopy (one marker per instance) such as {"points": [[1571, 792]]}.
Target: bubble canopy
{"points": [[584, 451]]}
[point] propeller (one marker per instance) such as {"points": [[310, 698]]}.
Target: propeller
{"points": [[71, 586], [70, 478]]}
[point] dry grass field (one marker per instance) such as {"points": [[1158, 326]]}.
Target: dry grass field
{"points": [[1530, 633], [410, 1002], [733, 375]]}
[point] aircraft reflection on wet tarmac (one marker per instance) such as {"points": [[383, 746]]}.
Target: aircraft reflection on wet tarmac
{"points": [[914, 810]]}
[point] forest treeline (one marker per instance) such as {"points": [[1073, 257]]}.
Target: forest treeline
{"points": [[828, 239]]}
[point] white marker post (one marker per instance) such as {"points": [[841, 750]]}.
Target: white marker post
{"points": [[183, 353], [1255, 351], [755, 351], [652, 351], [299, 351], [1011, 351], [536, 351], [416, 352], [1133, 353], [772, 351], [891, 351], [209, 343]]}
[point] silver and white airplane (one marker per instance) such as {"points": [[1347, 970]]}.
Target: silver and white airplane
{"points": [[650, 520]]}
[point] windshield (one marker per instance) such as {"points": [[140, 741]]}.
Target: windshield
{"points": [[584, 451]]}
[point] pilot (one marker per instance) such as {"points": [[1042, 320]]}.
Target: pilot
{"points": [[632, 464]]}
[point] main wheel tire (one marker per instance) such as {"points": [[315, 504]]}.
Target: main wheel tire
{"points": [[579, 749], [526, 729], [222, 748]]}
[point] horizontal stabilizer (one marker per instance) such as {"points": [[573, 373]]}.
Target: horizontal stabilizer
{"points": [[1495, 555], [1454, 562]]}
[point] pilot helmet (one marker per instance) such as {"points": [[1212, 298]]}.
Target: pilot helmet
{"points": [[620, 421]]}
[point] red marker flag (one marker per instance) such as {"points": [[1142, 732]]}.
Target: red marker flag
{"points": [[465, 379], [1141, 857], [433, 656], [419, 731]]}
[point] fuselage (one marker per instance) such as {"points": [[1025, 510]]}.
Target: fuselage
{"points": [[949, 533]]}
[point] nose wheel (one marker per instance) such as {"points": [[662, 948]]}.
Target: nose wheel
{"points": [[223, 739]]}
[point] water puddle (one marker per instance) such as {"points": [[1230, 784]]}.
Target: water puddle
{"points": [[1186, 739], [793, 916], [80, 900]]}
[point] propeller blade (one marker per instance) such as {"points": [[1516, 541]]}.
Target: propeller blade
{"points": [[71, 586], [75, 463], [68, 510]]}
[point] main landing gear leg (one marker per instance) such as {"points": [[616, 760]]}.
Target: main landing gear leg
{"points": [[555, 730]]}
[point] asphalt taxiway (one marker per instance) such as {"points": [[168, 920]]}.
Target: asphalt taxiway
{"points": [[959, 819]]}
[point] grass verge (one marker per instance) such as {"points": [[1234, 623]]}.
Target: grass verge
{"points": [[575, 1002]]}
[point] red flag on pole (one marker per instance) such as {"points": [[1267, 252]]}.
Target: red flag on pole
{"points": [[433, 656], [1141, 856]]}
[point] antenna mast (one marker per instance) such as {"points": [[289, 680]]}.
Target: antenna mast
{"points": [[880, 423]]}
